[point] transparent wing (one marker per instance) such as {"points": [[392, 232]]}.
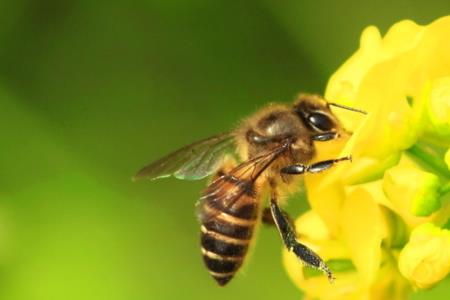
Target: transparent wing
{"points": [[229, 188], [191, 162]]}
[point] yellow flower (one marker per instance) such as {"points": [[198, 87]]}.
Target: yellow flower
{"points": [[400, 175], [425, 260]]}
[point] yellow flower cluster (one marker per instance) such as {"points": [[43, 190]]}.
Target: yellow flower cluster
{"points": [[382, 222]]}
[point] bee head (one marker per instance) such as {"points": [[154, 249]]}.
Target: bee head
{"points": [[315, 114]]}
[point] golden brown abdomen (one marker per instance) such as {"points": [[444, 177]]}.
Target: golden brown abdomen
{"points": [[227, 227]]}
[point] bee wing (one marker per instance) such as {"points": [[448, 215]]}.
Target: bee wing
{"points": [[229, 188], [191, 162]]}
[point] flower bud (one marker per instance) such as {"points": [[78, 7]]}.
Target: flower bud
{"points": [[410, 186], [425, 260], [439, 109]]}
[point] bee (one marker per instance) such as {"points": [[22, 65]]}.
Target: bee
{"points": [[261, 157]]}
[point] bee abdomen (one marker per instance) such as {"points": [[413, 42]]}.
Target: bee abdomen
{"points": [[223, 258], [223, 255], [225, 239]]}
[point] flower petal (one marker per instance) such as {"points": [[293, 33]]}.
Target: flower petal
{"points": [[363, 229]]}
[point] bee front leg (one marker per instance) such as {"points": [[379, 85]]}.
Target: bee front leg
{"points": [[289, 238], [314, 168]]}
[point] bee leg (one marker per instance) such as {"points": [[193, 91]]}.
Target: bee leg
{"points": [[314, 168], [267, 218], [288, 235], [327, 136]]}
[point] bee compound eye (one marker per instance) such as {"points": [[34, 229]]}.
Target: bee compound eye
{"points": [[320, 121]]}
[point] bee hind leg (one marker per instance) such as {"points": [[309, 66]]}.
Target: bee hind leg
{"points": [[289, 238], [267, 217]]}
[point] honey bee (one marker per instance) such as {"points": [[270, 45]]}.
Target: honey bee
{"points": [[261, 157]]}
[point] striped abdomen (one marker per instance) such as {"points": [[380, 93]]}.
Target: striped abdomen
{"points": [[229, 211]]}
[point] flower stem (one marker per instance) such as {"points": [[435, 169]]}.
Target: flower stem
{"points": [[425, 156]]}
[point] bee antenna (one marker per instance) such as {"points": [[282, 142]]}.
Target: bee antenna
{"points": [[348, 108]]}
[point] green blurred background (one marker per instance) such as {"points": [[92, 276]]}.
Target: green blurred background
{"points": [[90, 91]]}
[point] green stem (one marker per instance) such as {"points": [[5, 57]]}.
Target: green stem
{"points": [[425, 157]]}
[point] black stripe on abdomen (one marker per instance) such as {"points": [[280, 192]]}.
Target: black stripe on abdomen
{"points": [[229, 229], [221, 265], [244, 211], [222, 247]]}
